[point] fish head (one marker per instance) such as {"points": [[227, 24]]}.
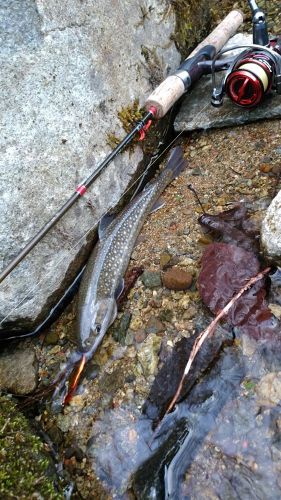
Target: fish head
{"points": [[102, 314]]}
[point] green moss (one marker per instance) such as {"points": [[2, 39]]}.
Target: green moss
{"points": [[128, 116], [249, 385], [24, 466], [195, 19]]}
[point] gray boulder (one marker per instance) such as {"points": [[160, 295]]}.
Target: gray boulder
{"points": [[271, 231], [66, 69]]}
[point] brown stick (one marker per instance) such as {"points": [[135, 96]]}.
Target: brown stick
{"points": [[208, 331]]}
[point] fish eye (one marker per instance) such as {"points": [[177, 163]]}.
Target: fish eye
{"points": [[98, 328]]}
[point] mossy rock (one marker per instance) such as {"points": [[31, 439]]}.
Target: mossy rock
{"points": [[25, 469]]}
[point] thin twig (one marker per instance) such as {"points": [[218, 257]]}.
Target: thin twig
{"points": [[208, 331]]}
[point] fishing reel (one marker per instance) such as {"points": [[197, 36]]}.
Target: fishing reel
{"points": [[255, 72]]}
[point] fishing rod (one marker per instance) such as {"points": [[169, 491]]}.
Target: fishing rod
{"points": [[157, 105]]}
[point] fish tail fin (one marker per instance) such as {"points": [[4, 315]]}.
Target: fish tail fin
{"points": [[176, 162]]}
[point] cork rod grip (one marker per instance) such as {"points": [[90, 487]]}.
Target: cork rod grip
{"points": [[171, 89]]}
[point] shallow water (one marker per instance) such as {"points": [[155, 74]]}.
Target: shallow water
{"points": [[222, 441]]}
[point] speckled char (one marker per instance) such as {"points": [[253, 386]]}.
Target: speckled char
{"points": [[109, 262]]}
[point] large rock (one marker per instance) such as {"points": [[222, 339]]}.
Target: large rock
{"points": [[197, 112], [66, 69], [271, 231], [18, 371]]}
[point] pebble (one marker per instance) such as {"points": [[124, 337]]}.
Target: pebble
{"points": [[151, 279], [19, 371], [140, 336], [275, 309], [165, 259], [148, 355], [189, 313], [136, 324], [176, 278], [51, 338], [268, 390], [129, 339], [120, 330], [166, 315], [265, 168], [154, 325]]}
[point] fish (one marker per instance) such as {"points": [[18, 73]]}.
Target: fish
{"points": [[103, 279]]}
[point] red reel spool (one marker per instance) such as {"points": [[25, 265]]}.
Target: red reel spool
{"points": [[250, 80]]}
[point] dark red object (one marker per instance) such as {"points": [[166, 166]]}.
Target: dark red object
{"points": [[225, 270]]}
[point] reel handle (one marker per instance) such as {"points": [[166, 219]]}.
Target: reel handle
{"points": [[174, 86]]}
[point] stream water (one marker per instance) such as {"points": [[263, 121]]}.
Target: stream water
{"points": [[223, 439]]}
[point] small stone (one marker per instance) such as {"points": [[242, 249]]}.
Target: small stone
{"points": [[51, 338], [136, 324], [148, 354], [166, 315], [140, 336], [275, 309], [18, 371], [151, 279], [176, 278], [129, 339], [165, 259], [184, 302], [268, 389], [204, 239], [154, 325], [120, 330], [64, 422], [249, 345], [190, 313], [265, 168]]}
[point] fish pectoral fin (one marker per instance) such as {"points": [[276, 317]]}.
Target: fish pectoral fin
{"points": [[157, 205], [105, 222], [119, 288]]}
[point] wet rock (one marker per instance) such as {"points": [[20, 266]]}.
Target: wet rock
{"points": [[190, 312], [271, 231], [26, 471], [74, 451], [51, 338], [136, 323], [268, 390], [140, 336], [166, 315], [275, 309], [154, 325], [18, 371], [59, 103], [148, 354], [165, 259], [151, 279], [197, 102], [176, 278], [129, 339], [120, 330]]}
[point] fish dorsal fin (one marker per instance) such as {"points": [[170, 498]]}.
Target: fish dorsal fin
{"points": [[104, 224], [157, 205], [119, 288]]}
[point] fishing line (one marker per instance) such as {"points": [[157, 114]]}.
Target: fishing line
{"points": [[69, 250]]}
